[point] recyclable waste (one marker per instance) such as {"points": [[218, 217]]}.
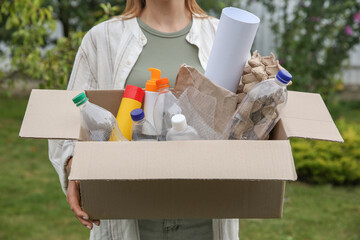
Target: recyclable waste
{"points": [[132, 99], [181, 130], [97, 124], [260, 110], [151, 94], [166, 106], [142, 130]]}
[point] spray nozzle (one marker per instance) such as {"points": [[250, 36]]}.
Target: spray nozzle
{"points": [[155, 74]]}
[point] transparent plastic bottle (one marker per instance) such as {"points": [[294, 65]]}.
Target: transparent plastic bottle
{"points": [[142, 130], [97, 123], [260, 110], [166, 106], [180, 130]]}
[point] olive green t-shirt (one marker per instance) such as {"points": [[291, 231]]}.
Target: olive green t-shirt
{"points": [[164, 51]]}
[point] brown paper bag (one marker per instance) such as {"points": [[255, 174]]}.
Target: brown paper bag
{"points": [[226, 101]]}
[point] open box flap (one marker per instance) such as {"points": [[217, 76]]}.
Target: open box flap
{"points": [[306, 116], [108, 99], [236, 160], [51, 114]]}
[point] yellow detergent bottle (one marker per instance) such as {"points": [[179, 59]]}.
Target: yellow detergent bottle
{"points": [[132, 99]]}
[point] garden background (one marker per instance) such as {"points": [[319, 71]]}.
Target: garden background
{"points": [[313, 40]]}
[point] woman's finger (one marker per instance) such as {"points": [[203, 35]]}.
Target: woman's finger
{"points": [[96, 222], [79, 213], [73, 198], [86, 223], [75, 207]]}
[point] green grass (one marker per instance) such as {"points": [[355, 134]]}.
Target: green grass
{"points": [[311, 212], [33, 206]]}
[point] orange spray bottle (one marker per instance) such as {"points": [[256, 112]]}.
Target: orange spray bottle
{"points": [[151, 94]]}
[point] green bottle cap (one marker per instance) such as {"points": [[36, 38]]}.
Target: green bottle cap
{"points": [[80, 99]]}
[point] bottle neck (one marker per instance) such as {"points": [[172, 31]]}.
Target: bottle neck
{"points": [[281, 84], [83, 105], [140, 121], [180, 127], [164, 90]]}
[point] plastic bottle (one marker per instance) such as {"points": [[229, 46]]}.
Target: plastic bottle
{"points": [[180, 130], [142, 130], [132, 99], [165, 108], [260, 110], [97, 123], [151, 94]]}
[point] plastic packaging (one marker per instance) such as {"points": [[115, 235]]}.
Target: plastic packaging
{"points": [[166, 106], [97, 123], [199, 109], [180, 130], [142, 130], [151, 94], [260, 110], [132, 99]]}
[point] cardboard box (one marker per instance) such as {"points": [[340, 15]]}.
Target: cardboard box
{"points": [[187, 179]]}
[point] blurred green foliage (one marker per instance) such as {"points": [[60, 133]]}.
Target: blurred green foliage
{"points": [[327, 162], [34, 54], [313, 40], [30, 24], [322, 162], [26, 27], [81, 15], [214, 7]]}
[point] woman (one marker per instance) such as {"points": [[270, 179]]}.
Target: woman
{"points": [[152, 33]]}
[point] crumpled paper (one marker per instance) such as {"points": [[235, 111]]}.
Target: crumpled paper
{"points": [[226, 101]]}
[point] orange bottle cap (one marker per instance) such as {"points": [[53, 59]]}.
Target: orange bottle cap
{"points": [[151, 86], [162, 83]]}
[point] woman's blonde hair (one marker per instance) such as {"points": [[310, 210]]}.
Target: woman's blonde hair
{"points": [[134, 7]]}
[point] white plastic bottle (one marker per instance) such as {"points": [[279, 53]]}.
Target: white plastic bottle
{"points": [[260, 110], [151, 94], [97, 123], [166, 106], [180, 130], [141, 129]]}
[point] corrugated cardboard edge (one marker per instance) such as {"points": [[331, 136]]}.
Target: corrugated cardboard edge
{"points": [[50, 114], [197, 160], [306, 116], [47, 117]]}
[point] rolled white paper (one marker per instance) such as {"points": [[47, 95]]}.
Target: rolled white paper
{"points": [[232, 45]]}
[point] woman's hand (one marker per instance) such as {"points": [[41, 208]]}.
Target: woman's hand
{"points": [[73, 198]]}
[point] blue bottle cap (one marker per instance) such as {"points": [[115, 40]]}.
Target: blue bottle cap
{"points": [[284, 76], [137, 114]]}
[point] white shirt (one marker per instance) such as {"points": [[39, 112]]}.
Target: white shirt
{"points": [[105, 58]]}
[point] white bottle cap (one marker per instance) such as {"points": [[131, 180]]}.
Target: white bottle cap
{"points": [[179, 122]]}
